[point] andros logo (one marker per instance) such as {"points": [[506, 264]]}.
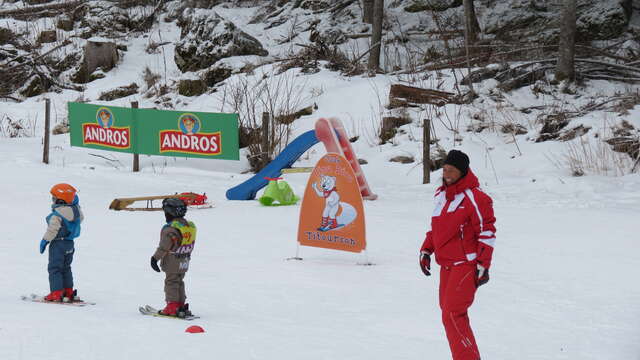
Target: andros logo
{"points": [[103, 132], [188, 139]]}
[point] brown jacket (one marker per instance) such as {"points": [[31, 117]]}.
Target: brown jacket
{"points": [[170, 262]]}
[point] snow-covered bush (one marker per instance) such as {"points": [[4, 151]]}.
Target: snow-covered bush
{"points": [[10, 128], [252, 96], [594, 155]]}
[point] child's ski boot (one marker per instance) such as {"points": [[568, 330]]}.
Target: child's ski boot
{"points": [[171, 309], [70, 295], [184, 311], [54, 296]]}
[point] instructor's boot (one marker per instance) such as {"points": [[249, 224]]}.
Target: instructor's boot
{"points": [[54, 296], [171, 309]]}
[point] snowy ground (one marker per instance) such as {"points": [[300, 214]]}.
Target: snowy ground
{"points": [[562, 282]]}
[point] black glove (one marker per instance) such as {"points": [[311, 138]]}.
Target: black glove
{"points": [[154, 264], [425, 263], [483, 275]]}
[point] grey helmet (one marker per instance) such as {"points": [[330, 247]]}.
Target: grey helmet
{"points": [[174, 207]]}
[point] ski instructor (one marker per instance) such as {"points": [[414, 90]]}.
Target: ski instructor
{"points": [[462, 237]]}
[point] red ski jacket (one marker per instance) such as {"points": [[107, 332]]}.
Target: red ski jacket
{"points": [[462, 224]]}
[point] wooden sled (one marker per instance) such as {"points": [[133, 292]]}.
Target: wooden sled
{"points": [[294, 170], [193, 200]]}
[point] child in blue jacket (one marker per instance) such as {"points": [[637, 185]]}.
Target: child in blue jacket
{"points": [[63, 226]]}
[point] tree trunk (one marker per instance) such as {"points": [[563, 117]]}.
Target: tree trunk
{"points": [[405, 96], [426, 151], [376, 36], [471, 25], [367, 11], [565, 70]]}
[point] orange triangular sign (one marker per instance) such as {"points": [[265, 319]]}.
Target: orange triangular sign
{"points": [[332, 214]]}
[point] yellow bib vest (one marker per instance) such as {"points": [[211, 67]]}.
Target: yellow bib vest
{"points": [[188, 236]]}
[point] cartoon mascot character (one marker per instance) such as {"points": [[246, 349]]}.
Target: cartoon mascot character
{"points": [[189, 123], [327, 189], [105, 118], [332, 205]]}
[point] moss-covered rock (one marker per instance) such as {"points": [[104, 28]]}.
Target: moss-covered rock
{"points": [[216, 74], [538, 20], [432, 5], [119, 92], [315, 5], [47, 36], [35, 86], [602, 21], [390, 125], [189, 87], [7, 36], [80, 75], [65, 22], [403, 159], [207, 38]]}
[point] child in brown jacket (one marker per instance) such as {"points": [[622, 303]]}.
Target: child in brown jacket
{"points": [[177, 239]]}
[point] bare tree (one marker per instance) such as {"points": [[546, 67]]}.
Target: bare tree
{"points": [[250, 97], [471, 26], [376, 36], [367, 11], [471, 30], [565, 68]]}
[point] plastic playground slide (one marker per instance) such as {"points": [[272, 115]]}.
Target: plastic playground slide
{"points": [[248, 189], [334, 137]]}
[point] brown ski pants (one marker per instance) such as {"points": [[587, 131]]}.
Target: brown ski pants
{"points": [[174, 288]]}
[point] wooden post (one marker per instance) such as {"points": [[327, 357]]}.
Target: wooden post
{"points": [[47, 124], [367, 11], [136, 157], [376, 37], [426, 151], [265, 138]]}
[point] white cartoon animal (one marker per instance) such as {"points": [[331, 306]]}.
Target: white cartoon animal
{"points": [[327, 190]]}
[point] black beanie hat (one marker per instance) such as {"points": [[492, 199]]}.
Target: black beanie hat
{"points": [[458, 159]]}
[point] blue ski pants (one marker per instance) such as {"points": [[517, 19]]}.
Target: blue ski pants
{"points": [[60, 258]]}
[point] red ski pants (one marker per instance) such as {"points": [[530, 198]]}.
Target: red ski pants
{"points": [[457, 289]]}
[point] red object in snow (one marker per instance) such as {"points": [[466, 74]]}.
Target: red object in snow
{"points": [[194, 329], [191, 198]]}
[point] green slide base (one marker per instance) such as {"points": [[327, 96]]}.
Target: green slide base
{"points": [[278, 193]]}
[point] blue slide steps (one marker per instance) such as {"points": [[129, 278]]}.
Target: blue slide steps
{"points": [[248, 189]]}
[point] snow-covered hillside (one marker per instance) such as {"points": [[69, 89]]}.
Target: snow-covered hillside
{"points": [[563, 277], [561, 287]]}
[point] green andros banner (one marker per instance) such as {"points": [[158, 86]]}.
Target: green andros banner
{"points": [[192, 134], [100, 127], [155, 132]]}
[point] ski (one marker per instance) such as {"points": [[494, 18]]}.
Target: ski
{"points": [[324, 229], [151, 311], [40, 299]]}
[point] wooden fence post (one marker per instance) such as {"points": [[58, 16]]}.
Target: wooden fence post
{"points": [[136, 157], [426, 151], [47, 124]]}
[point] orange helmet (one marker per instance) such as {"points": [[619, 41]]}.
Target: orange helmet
{"points": [[64, 192]]}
